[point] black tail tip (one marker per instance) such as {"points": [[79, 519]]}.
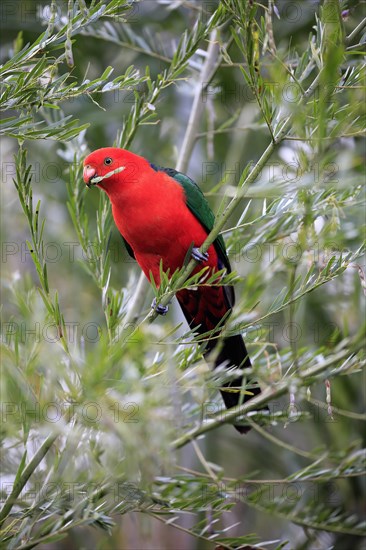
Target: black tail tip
{"points": [[242, 429]]}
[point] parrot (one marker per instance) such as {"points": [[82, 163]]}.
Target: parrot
{"points": [[162, 215]]}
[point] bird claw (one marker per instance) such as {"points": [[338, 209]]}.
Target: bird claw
{"points": [[160, 309], [198, 255]]}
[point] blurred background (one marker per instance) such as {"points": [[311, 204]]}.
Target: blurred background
{"points": [[113, 479]]}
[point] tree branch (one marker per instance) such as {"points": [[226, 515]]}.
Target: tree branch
{"points": [[208, 69], [265, 396], [24, 477]]}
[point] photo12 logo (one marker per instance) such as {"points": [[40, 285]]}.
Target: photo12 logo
{"points": [[53, 412]]}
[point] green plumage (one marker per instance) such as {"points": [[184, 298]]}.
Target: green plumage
{"points": [[199, 207]]}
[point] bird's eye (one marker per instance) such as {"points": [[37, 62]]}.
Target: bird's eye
{"points": [[108, 161]]}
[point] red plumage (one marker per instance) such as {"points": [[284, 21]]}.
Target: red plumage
{"points": [[150, 210]]}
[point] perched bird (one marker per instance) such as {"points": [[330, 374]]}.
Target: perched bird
{"points": [[162, 214]]}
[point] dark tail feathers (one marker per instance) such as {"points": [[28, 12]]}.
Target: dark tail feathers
{"points": [[233, 353], [201, 308]]}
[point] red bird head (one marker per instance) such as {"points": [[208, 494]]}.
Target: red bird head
{"points": [[113, 169]]}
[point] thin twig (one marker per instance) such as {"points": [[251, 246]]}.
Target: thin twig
{"points": [[198, 105], [278, 441], [27, 472], [267, 395], [137, 301], [355, 31]]}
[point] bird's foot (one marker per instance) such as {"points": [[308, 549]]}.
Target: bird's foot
{"points": [[160, 309], [198, 255]]}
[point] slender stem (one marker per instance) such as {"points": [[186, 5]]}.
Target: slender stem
{"points": [[204, 462], [127, 46], [27, 472], [137, 301], [355, 31], [267, 395], [322, 525], [198, 104], [277, 441], [340, 412], [359, 46], [197, 536]]}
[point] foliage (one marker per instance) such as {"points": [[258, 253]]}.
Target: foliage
{"points": [[107, 411]]}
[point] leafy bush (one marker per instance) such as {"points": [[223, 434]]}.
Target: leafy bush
{"points": [[108, 413]]}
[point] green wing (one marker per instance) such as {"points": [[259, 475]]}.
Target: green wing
{"points": [[199, 206]]}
